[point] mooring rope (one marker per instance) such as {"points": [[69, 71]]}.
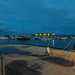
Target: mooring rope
{"points": [[43, 56]]}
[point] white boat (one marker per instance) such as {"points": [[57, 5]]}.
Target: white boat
{"points": [[45, 39], [63, 38], [36, 37], [3, 38], [72, 37]]}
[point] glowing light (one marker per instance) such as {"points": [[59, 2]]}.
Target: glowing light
{"points": [[36, 34], [53, 34], [40, 34], [48, 34], [44, 34]]}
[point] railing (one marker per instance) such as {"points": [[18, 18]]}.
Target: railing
{"points": [[2, 59]]}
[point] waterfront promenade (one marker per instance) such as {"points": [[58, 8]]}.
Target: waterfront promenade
{"points": [[62, 62]]}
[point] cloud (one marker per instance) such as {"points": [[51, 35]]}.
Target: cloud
{"points": [[69, 23], [3, 2], [12, 30], [2, 27], [12, 15], [62, 11], [1, 22]]}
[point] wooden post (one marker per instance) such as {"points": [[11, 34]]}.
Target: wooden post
{"points": [[2, 65], [70, 46], [74, 47]]}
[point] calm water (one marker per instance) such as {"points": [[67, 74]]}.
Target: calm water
{"points": [[57, 42]]}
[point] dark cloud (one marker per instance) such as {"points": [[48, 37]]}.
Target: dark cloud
{"points": [[39, 16]]}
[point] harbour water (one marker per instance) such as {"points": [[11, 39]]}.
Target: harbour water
{"points": [[57, 43]]}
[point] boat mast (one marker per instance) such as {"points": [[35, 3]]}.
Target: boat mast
{"points": [[23, 29]]}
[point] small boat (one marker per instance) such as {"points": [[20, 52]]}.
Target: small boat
{"points": [[43, 39], [36, 37], [4, 38], [63, 38], [23, 38], [72, 37]]}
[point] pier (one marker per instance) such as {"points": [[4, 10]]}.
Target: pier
{"points": [[58, 57]]}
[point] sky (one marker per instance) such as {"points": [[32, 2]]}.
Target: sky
{"points": [[37, 16]]}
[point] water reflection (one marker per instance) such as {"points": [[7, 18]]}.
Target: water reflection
{"points": [[53, 43]]}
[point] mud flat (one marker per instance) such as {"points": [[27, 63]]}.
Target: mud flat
{"points": [[62, 63]]}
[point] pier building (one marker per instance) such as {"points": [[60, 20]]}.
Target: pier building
{"points": [[44, 34]]}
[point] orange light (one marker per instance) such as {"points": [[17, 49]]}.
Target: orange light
{"points": [[53, 42], [53, 34], [44, 34], [40, 34], [36, 34], [48, 34]]}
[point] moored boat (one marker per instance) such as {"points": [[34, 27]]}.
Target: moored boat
{"points": [[63, 38], [4, 38], [23, 38], [72, 37]]}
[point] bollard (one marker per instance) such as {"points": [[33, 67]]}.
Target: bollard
{"points": [[2, 65], [53, 43]]}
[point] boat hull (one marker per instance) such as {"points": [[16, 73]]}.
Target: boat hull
{"points": [[23, 38]]}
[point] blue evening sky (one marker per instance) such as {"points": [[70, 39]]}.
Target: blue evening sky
{"points": [[38, 16]]}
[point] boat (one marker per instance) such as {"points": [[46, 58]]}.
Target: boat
{"points": [[63, 38], [45, 39], [23, 38], [72, 37], [36, 37], [4, 38]]}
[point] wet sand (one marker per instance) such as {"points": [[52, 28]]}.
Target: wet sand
{"points": [[60, 64]]}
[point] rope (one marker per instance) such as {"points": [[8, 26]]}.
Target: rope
{"points": [[64, 48], [41, 57]]}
